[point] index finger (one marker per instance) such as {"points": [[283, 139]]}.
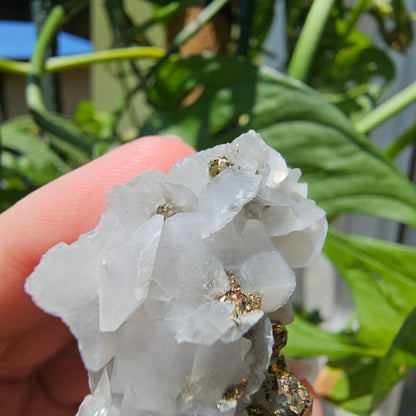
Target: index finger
{"points": [[61, 211]]}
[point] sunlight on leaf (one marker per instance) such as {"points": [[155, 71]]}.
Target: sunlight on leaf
{"points": [[344, 170], [306, 340], [381, 277], [28, 154], [400, 359]]}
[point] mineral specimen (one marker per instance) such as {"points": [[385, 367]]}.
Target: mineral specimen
{"points": [[168, 297], [281, 393]]}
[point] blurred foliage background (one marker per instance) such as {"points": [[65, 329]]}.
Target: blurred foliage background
{"points": [[194, 69]]}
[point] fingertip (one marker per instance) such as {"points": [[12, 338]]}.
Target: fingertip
{"points": [[72, 204], [65, 208], [143, 154], [317, 406]]}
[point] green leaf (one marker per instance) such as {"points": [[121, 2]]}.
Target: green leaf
{"points": [[306, 340], [357, 62], [358, 101], [358, 405], [210, 100], [354, 378], [95, 125], [400, 359], [72, 155], [382, 279], [86, 118], [26, 153], [401, 142], [360, 64], [345, 57]]}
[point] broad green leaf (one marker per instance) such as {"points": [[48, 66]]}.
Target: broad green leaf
{"points": [[358, 405], [353, 379], [357, 62], [73, 155], [95, 125], [210, 100], [26, 152], [357, 101], [86, 118], [356, 377], [399, 360], [382, 280], [363, 63], [306, 340], [345, 57]]}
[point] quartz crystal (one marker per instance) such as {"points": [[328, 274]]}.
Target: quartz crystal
{"points": [[169, 296]]}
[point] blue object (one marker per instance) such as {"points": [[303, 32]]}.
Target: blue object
{"points": [[17, 41]]}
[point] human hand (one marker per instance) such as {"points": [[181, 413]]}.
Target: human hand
{"points": [[41, 373]]}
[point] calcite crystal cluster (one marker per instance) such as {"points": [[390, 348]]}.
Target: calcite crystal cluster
{"points": [[169, 296]]}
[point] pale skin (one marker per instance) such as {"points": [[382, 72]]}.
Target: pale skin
{"points": [[41, 373]]}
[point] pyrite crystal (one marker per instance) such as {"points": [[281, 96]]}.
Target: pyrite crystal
{"points": [[218, 164], [243, 302], [235, 392], [281, 393], [166, 209]]}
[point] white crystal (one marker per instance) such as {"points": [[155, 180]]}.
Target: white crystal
{"points": [[128, 266], [68, 292], [301, 248], [284, 315], [99, 403], [217, 321], [152, 294], [269, 275], [97, 348], [223, 198], [153, 364]]}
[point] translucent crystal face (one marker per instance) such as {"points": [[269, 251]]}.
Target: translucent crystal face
{"points": [[168, 296]]}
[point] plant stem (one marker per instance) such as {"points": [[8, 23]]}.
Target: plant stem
{"points": [[193, 27], [356, 12], [49, 83], [14, 67], [49, 29], [74, 7], [35, 99], [244, 20], [76, 61], [308, 41], [62, 63], [159, 15], [390, 107], [34, 96], [190, 29], [408, 137]]}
